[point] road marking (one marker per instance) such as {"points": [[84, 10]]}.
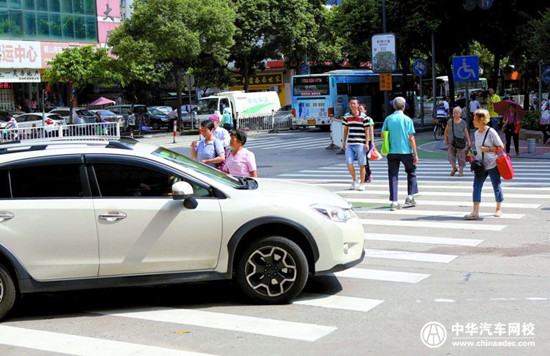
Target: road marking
{"points": [[436, 225], [434, 213], [409, 256], [446, 203], [338, 302], [369, 236], [379, 275], [79, 345], [248, 324], [462, 185], [442, 194]]}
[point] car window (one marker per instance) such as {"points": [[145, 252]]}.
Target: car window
{"points": [[127, 180], [140, 109], [84, 112], [113, 109], [124, 110], [56, 181], [4, 185]]}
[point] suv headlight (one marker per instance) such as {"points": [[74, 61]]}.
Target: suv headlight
{"points": [[334, 213]]}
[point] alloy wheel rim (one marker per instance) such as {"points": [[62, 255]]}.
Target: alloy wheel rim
{"points": [[271, 271]]}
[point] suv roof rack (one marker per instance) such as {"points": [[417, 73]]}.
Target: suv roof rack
{"points": [[22, 146]]}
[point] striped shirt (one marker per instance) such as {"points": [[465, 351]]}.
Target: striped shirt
{"points": [[356, 128]]}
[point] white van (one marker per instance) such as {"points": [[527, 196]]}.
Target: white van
{"points": [[241, 103]]}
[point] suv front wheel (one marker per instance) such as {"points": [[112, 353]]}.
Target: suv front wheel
{"points": [[7, 291], [273, 270]]}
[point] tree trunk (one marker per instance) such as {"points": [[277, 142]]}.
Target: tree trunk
{"points": [[178, 91], [246, 74]]}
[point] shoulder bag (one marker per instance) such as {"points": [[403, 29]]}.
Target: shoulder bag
{"points": [[458, 143], [477, 166]]}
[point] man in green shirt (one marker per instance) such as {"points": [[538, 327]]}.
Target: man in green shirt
{"points": [[491, 100]]}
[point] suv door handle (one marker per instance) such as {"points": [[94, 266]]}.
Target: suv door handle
{"points": [[112, 216], [6, 216]]}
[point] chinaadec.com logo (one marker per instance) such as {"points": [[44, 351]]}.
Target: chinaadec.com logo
{"points": [[433, 334]]}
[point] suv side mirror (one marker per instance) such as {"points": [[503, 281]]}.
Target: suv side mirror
{"points": [[184, 191]]}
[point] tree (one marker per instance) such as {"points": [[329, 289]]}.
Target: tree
{"points": [[176, 34], [81, 66]]}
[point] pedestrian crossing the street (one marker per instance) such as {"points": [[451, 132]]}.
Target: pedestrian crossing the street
{"points": [[393, 239]]}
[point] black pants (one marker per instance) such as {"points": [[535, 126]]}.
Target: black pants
{"points": [[509, 134], [546, 132], [394, 161]]}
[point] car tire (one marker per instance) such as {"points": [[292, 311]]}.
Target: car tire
{"points": [[273, 270], [7, 291]]}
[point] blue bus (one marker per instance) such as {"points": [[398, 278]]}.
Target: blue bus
{"points": [[317, 98]]}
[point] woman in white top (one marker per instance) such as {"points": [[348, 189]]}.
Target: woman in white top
{"points": [[487, 143]]}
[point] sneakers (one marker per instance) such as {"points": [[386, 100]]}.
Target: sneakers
{"points": [[361, 187], [395, 206], [369, 178], [353, 185], [410, 202]]}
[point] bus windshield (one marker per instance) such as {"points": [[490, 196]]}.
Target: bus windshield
{"points": [[309, 86]]}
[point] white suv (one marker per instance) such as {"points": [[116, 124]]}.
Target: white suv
{"points": [[105, 214]]}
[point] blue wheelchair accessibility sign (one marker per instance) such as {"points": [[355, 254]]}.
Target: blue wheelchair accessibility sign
{"points": [[466, 68]]}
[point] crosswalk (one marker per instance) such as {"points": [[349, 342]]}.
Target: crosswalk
{"points": [[288, 142], [406, 235]]}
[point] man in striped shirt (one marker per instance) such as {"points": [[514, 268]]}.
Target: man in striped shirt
{"points": [[356, 138]]}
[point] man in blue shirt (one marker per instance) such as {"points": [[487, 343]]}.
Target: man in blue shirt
{"points": [[402, 149]]}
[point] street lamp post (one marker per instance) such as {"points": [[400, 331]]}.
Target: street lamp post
{"points": [[386, 113]]}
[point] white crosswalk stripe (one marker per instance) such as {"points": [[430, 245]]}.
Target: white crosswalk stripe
{"points": [[238, 323], [79, 345], [338, 302], [371, 236], [381, 275]]}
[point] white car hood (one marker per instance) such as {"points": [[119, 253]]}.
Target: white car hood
{"points": [[299, 192]]}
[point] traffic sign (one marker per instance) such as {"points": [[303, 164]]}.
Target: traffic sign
{"points": [[546, 75], [189, 80], [420, 67], [466, 68], [385, 82]]}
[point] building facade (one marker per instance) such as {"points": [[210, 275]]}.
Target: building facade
{"points": [[34, 31]]}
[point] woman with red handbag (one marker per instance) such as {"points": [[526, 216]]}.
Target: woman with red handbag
{"points": [[512, 122], [487, 143]]}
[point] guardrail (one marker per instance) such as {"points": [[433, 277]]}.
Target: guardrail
{"points": [[281, 120], [93, 131]]}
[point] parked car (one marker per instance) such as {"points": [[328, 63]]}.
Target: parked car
{"points": [[283, 116], [142, 215], [140, 111], [185, 116], [49, 122], [158, 120], [163, 108], [5, 115], [110, 116], [80, 115]]}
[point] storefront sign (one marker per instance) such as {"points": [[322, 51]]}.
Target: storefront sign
{"points": [[261, 79], [20, 54], [19, 75]]}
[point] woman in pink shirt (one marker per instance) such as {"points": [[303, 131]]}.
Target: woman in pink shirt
{"points": [[240, 161], [510, 120]]}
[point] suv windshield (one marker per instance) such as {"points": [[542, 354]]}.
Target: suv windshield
{"points": [[207, 106], [213, 173]]}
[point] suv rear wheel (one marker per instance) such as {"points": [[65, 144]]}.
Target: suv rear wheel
{"points": [[7, 291], [273, 270]]}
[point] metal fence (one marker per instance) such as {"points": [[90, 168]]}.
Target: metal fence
{"points": [[94, 131], [280, 120]]}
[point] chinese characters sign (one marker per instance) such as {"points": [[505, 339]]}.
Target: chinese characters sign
{"points": [[20, 54], [385, 82], [19, 75], [261, 79], [383, 53]]}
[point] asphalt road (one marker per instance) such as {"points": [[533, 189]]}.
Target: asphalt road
{"points": [[431, 284]]}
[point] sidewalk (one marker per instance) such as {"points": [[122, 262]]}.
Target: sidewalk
{"points": [[542, 151]]}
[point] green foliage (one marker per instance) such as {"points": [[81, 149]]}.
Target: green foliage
{"points": [[538, 36], [82, 66], [531, 120]]}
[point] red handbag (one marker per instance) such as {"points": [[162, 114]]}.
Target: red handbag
{"points": [[504, 165]]}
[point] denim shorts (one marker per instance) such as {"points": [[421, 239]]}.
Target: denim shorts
{"points": [[356, 152]]}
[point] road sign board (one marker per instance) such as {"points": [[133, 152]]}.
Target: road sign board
{"points": [[465, 68], [189, 80], [420, 67]]}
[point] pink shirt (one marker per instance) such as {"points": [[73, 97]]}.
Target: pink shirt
{"points": [[240, 164]]}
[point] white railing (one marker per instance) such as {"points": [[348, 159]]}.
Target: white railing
{"points": [[280, 120], [93, 131]]}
